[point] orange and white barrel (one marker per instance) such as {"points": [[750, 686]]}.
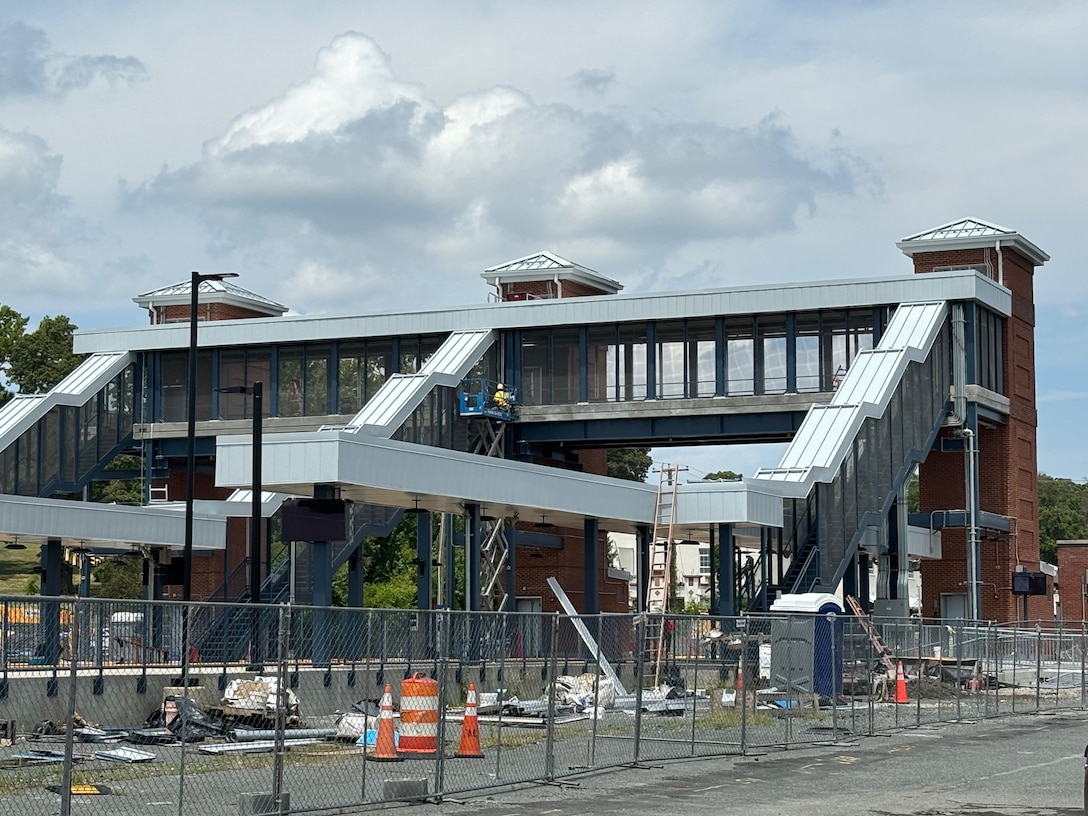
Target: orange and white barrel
{"points": [[418, 715]]}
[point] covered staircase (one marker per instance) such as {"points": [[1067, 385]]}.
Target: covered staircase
{"points": [[848, 461], [58, 441]]}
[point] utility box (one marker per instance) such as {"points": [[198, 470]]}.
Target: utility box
{"points": [[806, 645]]}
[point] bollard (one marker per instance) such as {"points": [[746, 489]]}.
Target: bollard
{"points": [[1085, 795]]}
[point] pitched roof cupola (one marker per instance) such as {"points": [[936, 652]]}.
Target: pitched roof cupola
{"points": [[546, 275], [970, 243], [219, 300]]}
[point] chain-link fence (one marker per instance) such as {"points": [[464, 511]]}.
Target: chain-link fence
{"points": [[128, 707]]}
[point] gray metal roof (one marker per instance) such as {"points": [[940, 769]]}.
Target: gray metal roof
{"points": [[786, 297], [969, 233], [400, 474], [213, 291], [112, 527], [20, 413], [827, 432]]}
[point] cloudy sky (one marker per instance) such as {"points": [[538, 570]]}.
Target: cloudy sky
{"points": [[360, 156]]}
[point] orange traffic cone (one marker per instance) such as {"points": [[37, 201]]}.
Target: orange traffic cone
{"points": [[470, 729], [900, 685], [385, 746]]}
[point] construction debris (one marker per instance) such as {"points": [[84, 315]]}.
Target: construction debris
{"points": [[259, 697]]}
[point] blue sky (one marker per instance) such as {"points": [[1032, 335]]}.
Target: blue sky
{"points": [[355, 156]]}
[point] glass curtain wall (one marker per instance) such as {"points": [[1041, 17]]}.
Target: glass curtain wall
{"points": [[241, 368], [303, 376]]}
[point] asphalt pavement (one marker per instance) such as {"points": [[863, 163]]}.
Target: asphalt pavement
{"points": [[1023, 765]]}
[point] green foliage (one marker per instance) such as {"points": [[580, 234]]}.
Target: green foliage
{"points": [[1063, 514], [631, 464], [43, 358], [119, 578], [724, 476], [390, 570], [118, 491], [32, 586]]}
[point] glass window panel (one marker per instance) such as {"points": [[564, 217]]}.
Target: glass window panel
{"points": [[317, 380], [701, 350], [409, 355], [631, 363], [291, 362], [670, 360], [564, 374], [740, 359], [808, 353], [772, 338], [535, 365], [603, 363], [379, 365], [174, 374], [232, 374], [833, 348], [861, 331], [351, 378]]}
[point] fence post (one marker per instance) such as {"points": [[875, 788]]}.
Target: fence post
{"points": [[788, 719], [836, 679], [1083, 658], [69, 735], [698, 647], [918, 674], [592, 759], [553, 665], [443, 666], [640, 667], [183, 714], [742, 691], [281, 696], [1038, 666]]}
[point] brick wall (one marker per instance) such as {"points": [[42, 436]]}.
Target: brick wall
{"points": [[548, 289], [207, 570], [1072, 571], [1008, 474], [205, 312]]}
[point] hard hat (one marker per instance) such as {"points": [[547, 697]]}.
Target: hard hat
{"points": [[499, 385]]}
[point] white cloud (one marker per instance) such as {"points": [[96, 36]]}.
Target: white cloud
{"points": [[356, 162], [352, 77], [29, 67]]}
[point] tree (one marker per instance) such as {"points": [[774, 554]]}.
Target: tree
{"points": [[120, 491], [1063, 514], [119, 577], [724, 476], [631, 464], [37, 361]]}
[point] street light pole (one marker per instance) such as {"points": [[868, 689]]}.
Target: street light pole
{"points": [[255, 521], [190, 455]]}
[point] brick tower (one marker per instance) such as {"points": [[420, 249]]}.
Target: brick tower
{"points": [[1008, 484], [219, 300]]}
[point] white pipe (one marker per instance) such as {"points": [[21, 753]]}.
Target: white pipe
{"points": [[971, 467], [959, 367], [1000, 264], [558, 285]]}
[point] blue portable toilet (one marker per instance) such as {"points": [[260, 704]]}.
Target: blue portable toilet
{"points": [[806, 647]]}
